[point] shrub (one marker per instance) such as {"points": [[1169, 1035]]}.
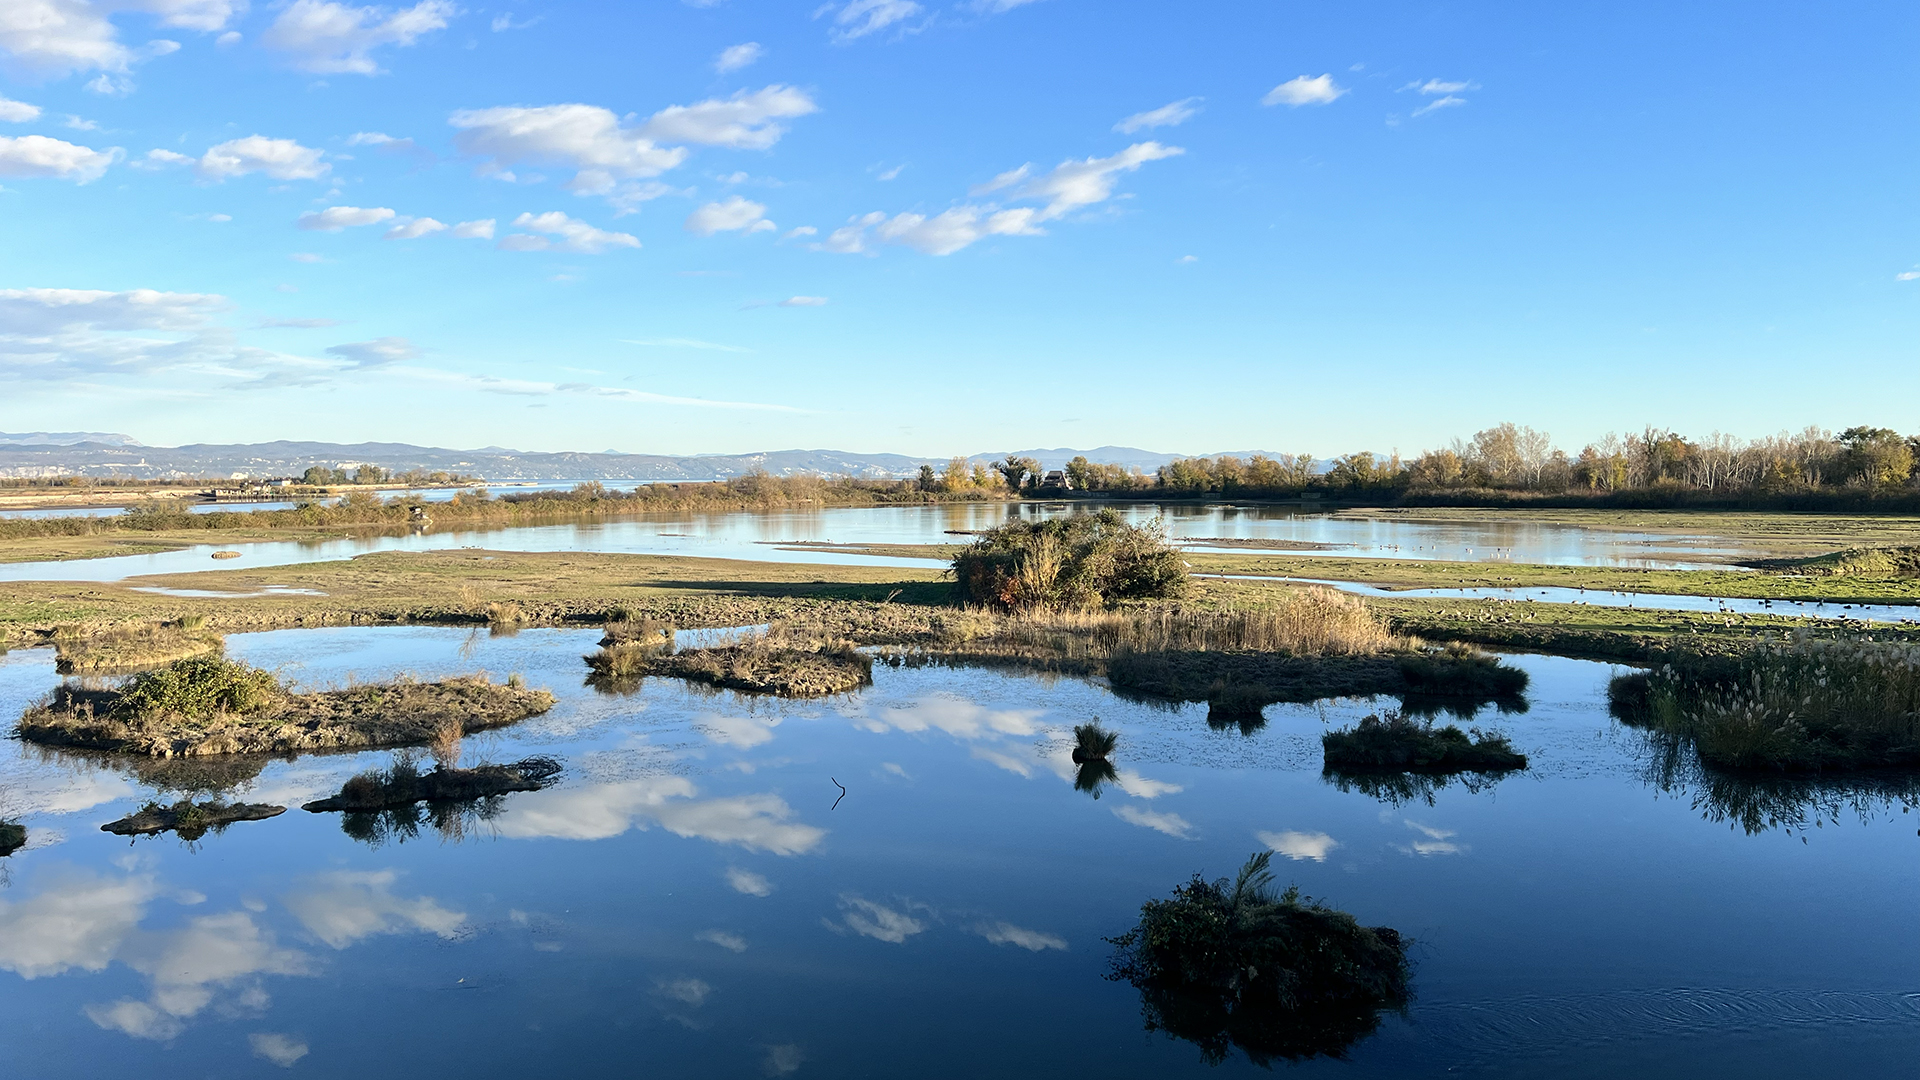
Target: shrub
{"points": [[1079, 561], [1229, 963], [1398, 744], [200, 687]]}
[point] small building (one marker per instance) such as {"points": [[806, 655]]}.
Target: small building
{"points": [[1055, 480]]}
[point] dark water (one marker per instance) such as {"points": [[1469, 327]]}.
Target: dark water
{"points": [[761, 536], [690, 902]]}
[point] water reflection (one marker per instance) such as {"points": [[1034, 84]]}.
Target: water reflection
{"points": [[1794, 804], [1401, 788], [1093, 774], [598, 811]]}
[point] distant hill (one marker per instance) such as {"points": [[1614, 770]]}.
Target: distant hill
{"points": [[65, 438], [91, 454]]}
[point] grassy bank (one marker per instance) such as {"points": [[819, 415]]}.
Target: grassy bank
{"points": [[208, 706]]}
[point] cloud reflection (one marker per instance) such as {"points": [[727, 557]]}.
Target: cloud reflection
{"points": [[1009, 934], [282, 1050], [1172, 824], [1437, 842], [877, 921], [951, 714], [345, 906], [77, 922], [1299, 845], [598, 811], [748, 882]]}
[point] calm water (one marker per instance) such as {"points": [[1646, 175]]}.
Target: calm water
{"points": [[690, 902], [760, 536]]}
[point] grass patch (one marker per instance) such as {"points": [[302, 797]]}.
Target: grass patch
{"points": [[1802, 704], [209, 706], [125, 650], [191, 820], [1400, 744], [1230, 963], [778, 661], [403, 784]]}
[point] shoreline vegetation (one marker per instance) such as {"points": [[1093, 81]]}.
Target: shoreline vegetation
{"points": [[402, 784], [211, 706], [188, 819]]}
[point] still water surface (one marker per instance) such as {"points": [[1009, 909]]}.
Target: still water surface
{"points": [[690, 902], [760, 536]]}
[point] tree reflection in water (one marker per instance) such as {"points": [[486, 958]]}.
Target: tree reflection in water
{"points": [[451, 821], [1400, 788], [1226, 964], [1091, 775], [1793, 803]]}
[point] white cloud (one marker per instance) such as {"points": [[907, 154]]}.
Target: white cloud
{"points": [[502, 23], [473, 230], [571, 234], [804, 301], [414, 229], [1907, 275], [344, 906], [1069, 186], [745, 121], [735, 57], [78, 922], [39, 157], [727, 941], [1187, 260], [1448, 102], [877, 921], [1440, 86], [956, 716], [49, 311], [17, 112], [160, 159], [280, 159], [306, 257], [1171, 115], [783, 1059], [754, 822], [734, 215], [858, 18], [331, 38], [1009, 934], [694, 343], [1435, 842], [45, 39], [377, 353], [185, 967], [1172, 824], [804, 230], [1141, 787], [1304, 90], [891, 174], [282, 1050], [1299, 845], [205, 16], [739, 732], [586, 137], [685, 991], [335, 218], [996, 7], [748, 882]]}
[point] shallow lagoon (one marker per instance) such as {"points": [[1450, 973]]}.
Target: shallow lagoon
{"points": [[689, 901], [761, 536]]}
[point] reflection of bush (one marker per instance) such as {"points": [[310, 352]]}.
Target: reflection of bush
{"points": [[1400, 788], [1227, 964], [1758, 803], [13, 837]]}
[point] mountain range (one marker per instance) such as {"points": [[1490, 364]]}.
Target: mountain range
{"points": [[102, 454]]}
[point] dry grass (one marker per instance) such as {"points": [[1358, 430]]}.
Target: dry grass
{"points": [[130, 649], [191, 820], [403, 784], [398, 713], [775, 662]]}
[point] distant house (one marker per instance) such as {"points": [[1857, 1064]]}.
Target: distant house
{"points": [[1055, 480]]}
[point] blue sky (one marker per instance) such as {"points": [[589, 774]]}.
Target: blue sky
{"points": [[935, 227]]}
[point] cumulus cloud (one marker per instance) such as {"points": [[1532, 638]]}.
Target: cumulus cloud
{"points": [[330, 38], [1907, 275], [40, 157], [568, 234], [160, 159], [1003, 933], [754, 822], [77, 922], [185, 967], [43, 39], [17, 112], [280, 159], [335, 218], [414, 229], [473, 230], [748, 882], [1299, 845], [1171, 115], [745, 121], [804, 301], [858, 18], [1304, 90], [377, 353], [877, 921], [344, 906], [1172, 824], [734, 215], [1070, 186], [282, 1050], [735, 57]]}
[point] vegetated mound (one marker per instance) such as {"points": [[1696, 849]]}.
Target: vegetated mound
{"points": [[403, 784], [208, 705], [1803, 704], [190, 819], [1092, 746], [129, 650], [1228, 964], [1881, 562], [13, 837], [1399, 744], [1080, 561], [774, 662]]}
